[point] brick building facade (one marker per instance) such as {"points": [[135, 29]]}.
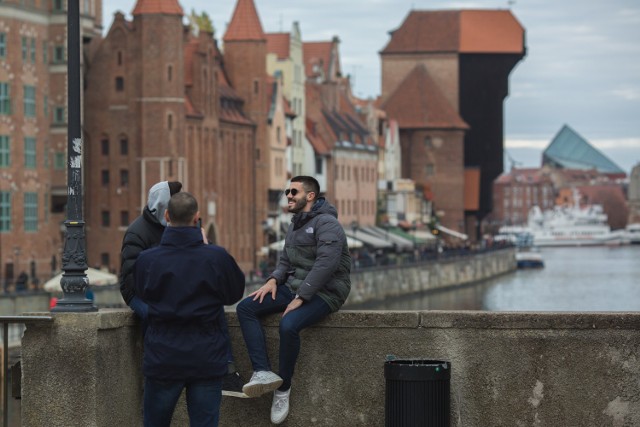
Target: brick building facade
{"points": [[33, 133], [160, 105]]}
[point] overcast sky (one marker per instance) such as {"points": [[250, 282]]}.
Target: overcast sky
{"points": [[582, 66]]}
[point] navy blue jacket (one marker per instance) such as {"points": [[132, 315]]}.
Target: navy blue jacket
{"points": [[186, 284]]}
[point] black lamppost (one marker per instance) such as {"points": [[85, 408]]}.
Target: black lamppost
{"points": [[74, 280]]}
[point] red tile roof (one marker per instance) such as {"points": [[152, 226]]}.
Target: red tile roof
{"points": [[245, 23], [463, 31], [279, 44], [418, 103], [317, 54], [165, 7], [190, 109]]}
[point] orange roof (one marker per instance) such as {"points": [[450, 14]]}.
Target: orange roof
{"points": [[471, 189], [165, 7], [245, 23], [279, 43], [463, 31], [418, 103], [316, 54]]}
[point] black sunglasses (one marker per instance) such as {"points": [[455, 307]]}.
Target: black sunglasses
{"points": [[293, 191]]}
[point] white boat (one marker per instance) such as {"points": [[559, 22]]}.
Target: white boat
{"points": [[573, 226], [633, 233]]}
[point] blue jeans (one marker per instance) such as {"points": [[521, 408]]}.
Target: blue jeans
{"points": [[249, 313], [203, 402]]}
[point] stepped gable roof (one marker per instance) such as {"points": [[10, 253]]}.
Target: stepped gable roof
{"points": [[163, 7], [245, 23], [418, 103], [279, 44], [571, 151], [462, 31], [317, 56]]}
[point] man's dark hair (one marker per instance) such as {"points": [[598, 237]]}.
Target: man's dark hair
{"points": [[182, 208], [309, 183]]}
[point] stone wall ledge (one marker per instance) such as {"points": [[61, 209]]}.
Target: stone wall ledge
{"points": [[507, 368]]}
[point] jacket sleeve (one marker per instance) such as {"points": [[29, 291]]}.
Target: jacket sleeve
{"points": [[230, 278], [132, 246], [330, 238], [282, 269]]}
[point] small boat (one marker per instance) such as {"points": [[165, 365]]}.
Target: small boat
{"points": [[633, 233], [529, 260]]}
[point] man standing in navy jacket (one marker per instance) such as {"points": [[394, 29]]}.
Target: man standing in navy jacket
{"points": [[185, 284]]}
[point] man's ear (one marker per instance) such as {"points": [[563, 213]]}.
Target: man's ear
{"points": [[166, 216], [196, 218]]}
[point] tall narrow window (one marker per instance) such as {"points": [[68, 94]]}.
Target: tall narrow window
{"points": [[119, 57], [169, 73], [3, 45], [5, 211], [58, 5], [5, 98], [104, 146], [30, 211], [256, 86], [124, 218], [45, 52], [170, 121], [59, 160], [106, 218], [29, 152], [5, 151], [105, 177], [119, 84], [30, 101], [46, 107], [124, 146], [59, 116], [33, 50], [124, 178], [25, 48], [58, 54]]}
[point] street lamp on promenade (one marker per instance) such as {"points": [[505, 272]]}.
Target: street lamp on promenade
{"points": [[74, 280]]}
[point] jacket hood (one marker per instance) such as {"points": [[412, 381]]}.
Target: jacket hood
{"points": [[321, 206], [158, 201]]}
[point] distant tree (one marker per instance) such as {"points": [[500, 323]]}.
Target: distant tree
{"points": [[202, 22]]}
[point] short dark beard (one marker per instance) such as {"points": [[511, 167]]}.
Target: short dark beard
{"points": [[300, 204]]}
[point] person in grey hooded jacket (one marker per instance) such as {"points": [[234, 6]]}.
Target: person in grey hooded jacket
{"points": [[143, 233], [311, 280]]}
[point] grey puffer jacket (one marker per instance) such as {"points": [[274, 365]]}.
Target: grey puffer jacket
{"points": [[316, 257]]}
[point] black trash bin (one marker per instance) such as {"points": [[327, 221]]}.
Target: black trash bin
{"points": [[417, 393]]}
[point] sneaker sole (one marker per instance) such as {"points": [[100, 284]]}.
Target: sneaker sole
{"points": [[255, 390], [281, 420], [239, 394]]}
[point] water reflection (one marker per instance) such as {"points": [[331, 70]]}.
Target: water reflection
{"points": [[574, 279]]}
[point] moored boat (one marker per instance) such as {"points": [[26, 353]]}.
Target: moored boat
{"points": [[529, 260]]}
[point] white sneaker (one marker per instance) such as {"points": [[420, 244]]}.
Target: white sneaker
{"points": [[280, 406], [261, 382]]}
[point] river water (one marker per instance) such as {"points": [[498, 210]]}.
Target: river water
{"points": [[574, 279]]}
